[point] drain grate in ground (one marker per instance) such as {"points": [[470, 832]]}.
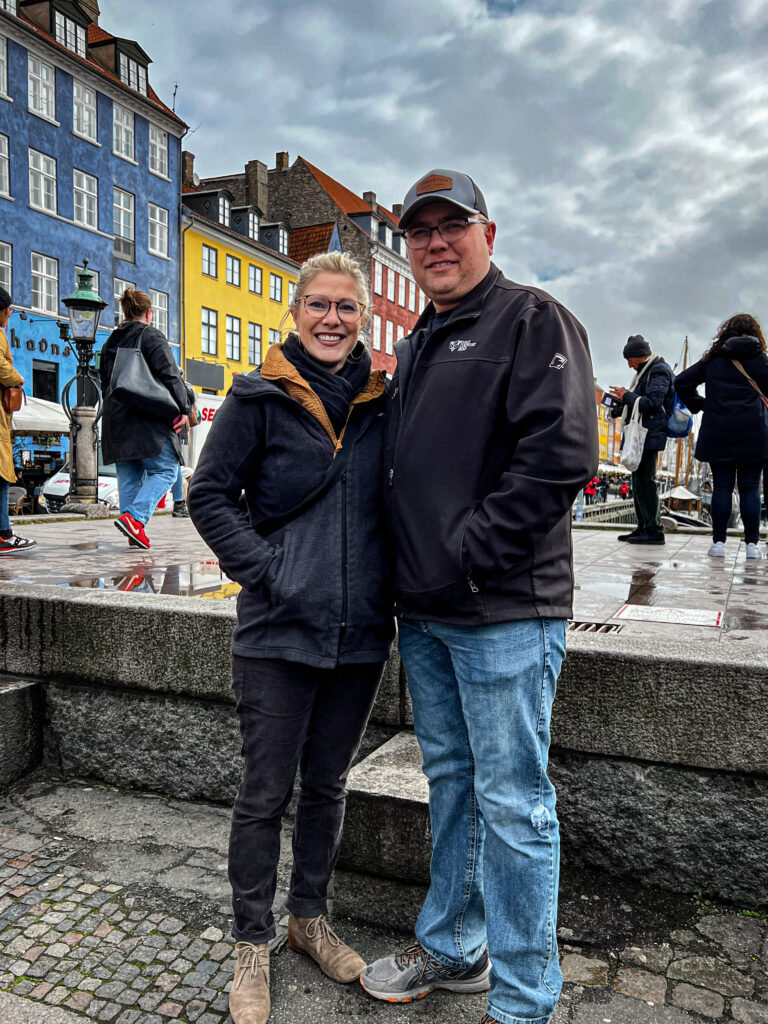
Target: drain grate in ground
{"points": [[593, 627]]}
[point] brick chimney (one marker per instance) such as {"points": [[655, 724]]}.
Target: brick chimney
{"points": [[187, 167], [397, 209], [91, 9], [256, 188], [281, 161], [370, 198]]}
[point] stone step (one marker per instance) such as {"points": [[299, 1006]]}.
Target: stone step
{"points": [[21, 727]]}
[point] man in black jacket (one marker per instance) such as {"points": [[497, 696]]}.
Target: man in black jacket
{"points": [[653, 388], [491, 434]]}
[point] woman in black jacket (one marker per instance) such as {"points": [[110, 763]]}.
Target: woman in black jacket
{"points": [[144, 448], [733, 437], [314, 624]]}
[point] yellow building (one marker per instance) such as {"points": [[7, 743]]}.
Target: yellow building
{"points": [[235, 289]]}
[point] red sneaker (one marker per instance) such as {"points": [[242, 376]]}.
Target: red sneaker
{"points": [[131, 582], [133, 530]]}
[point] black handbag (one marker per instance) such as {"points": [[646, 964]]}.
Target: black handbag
{"points": [[133, 383]]}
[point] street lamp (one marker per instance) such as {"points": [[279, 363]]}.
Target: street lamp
{"points": [[84, 307]]}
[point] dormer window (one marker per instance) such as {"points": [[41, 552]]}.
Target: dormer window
{"points": [[224, 211], [133, 74], [282, 241], [69, 33], [253, 226], [388, 236]]}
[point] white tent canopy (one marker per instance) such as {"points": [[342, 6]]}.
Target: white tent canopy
{"points": [[681, 492], [36, 416]]}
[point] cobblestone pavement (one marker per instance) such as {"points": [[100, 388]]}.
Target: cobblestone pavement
{"points": [[113, 908]]}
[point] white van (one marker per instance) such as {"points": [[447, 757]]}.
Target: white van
{"points": [[55, 491]]}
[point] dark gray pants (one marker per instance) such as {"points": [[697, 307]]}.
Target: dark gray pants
{"points": [[292, 715], [646, 494]]}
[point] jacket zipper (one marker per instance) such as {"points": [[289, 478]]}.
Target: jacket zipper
{"points": [[344, 594]]}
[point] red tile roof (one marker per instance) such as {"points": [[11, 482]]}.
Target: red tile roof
{"points": [[305, 242], [187, 188], [98, 35], [345, 199]]}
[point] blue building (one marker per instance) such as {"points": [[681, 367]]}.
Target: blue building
{"points": [[90, 166]]}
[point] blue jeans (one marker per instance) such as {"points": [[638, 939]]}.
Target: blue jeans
{"points": [[724, 475], [482, 701], [177, 491], [143, 482], [5, 522]]}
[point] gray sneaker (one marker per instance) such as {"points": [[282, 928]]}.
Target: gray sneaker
{"points": [[413, 974]]}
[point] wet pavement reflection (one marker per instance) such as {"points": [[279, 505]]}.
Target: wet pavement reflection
{"points": [[609, 575]]}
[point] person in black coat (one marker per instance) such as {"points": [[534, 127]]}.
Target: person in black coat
{"points": [[314, 616], [733, 437], [144, 448], [653, 389]]}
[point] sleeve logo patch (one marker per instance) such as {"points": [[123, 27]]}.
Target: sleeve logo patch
{"points": [[558, 361]]}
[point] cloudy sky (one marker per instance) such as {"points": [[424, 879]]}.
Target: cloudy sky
{"points": [[622, 146]]}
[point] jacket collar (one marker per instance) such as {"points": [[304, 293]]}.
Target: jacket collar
{"points": [[278, 369]]}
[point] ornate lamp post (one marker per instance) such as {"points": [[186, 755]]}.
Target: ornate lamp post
{"points": [[85, 308]]}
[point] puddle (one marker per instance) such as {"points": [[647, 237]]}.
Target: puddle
{"points": [[198, 579]]}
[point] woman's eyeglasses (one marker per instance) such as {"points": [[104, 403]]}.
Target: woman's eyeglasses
{"points": [[318, 306]]}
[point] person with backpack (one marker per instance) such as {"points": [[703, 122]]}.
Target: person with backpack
{"points": [[733, 437], [653, 388]]}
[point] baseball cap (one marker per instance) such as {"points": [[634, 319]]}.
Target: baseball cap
{"points": [[440, 184]]}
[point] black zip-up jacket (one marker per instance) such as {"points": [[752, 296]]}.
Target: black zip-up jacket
{"points": [[316, 590], [733, 427], [491, 434], [656, 394], [127, 432]]}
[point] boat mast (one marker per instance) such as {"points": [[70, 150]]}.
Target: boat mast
{"points": [[679, 459]]}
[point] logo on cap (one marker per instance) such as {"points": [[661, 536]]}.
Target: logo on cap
{"points": [[434, 183]]}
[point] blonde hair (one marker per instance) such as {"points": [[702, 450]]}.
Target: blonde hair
{"points": [[331, 263], [134, 303]]}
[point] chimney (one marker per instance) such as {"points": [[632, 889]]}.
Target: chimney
{"points": [[187, 167], [91, 10], [256, 188], [281, 161], [397, 209], [370, 198]]}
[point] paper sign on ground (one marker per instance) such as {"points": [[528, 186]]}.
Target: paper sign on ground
{"points": [[680, 616]]}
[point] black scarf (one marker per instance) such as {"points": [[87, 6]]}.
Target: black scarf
{"points": [[335, 390]]}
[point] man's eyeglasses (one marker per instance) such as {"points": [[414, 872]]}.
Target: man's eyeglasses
{"points": [[318, 305], [452, 230]]}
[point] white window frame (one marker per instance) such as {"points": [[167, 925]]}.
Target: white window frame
{"points": [[254, 279], [282, 241], [377, 277], [3, 66], [225, 211], [291, 292], [69, 34], [85, 118], [254, 343], [42, 181], [158, 151], [376, 332], [159, 302], [6, 267], [157, 230], [390, 342], [411, 295], [47, 287], [275, 287], [8, 5], [210, 258], [124, 218], [275, 337], [131, 73], [209, 331], [5, 166], [118, 287], [401, 290], [232, 332], [123, 133], [388, 236], [41, 88], [85, 193], [390, 284], [253, 226], [232, 272]]}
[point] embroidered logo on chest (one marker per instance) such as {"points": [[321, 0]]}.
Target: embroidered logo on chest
{"points": [[558, 361], [461, 345]]}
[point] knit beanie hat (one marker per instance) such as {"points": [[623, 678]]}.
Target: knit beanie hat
{"points": [[636, 347], [5, 299]]}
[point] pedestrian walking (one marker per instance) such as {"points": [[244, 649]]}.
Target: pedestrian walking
{"points": [[145, 448], [301, 436], [733, 437], [652, 387], [479, 521], [10, 542], [624, 490], [590, 492]]}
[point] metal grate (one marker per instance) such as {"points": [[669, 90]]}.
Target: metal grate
{"points": [[593, 627]]}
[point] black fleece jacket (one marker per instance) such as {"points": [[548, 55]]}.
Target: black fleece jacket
{"points": [[491, 434]]}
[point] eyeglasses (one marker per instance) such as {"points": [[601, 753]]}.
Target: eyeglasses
{"points": [[318, 306], [449, 230]]}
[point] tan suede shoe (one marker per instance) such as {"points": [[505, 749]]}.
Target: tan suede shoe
{"points": [[315, 937], [249, 1001]]}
